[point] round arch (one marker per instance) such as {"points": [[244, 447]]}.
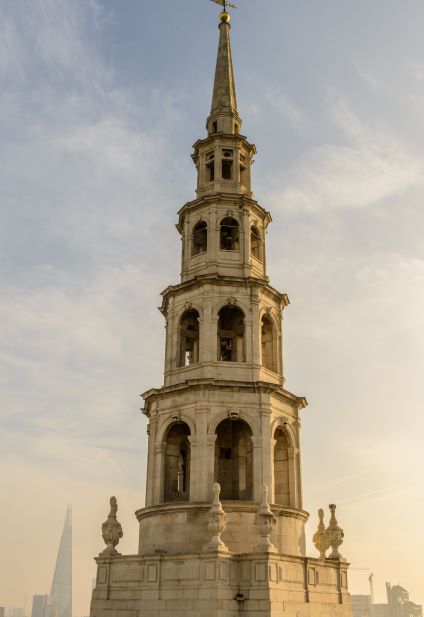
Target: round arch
{"points": [[176, 462], [167, 423], [284, 426], [243, 416]]}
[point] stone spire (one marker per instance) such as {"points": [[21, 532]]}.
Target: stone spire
{"points": [[224, 116]]}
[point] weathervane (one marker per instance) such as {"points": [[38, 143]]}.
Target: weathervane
{"points": [[225, 4]]}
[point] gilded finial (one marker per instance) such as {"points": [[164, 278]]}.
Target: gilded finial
{"points": [[225, 16]]}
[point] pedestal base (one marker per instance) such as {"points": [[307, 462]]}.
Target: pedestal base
{"points": [[220, 585]]}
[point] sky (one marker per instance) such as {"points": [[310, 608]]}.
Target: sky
{"points": [[101, 101]]}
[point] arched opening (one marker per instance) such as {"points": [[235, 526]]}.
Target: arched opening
{"points": [[268, 344], [200, 238], [281, 468], [231, 335], [255, 243], [189, 338], [234, 460], [177, 463], [229, 235], [210, 167]]}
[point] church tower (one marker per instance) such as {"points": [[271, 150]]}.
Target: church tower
{"points": [[223, 426]]}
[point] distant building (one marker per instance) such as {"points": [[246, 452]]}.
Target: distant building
{"points": [[380, 610], [361, 606], [60, 600], [399, 603], [16, 612], [39, 606]]}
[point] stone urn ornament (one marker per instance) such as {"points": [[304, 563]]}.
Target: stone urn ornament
{"points": [[217, 522], [111, 530], [335, 534], [320, 537], [264, 523]]}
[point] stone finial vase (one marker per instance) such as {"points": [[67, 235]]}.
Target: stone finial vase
{"points": [[335, 534], [111, 530], [320, 537], [217, 521], [264, 523]]}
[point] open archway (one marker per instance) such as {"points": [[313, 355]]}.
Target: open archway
{"points": [[268, 344], [189, 338], [231, 335], [281, 468], [199, 238], [255, 243], [177, 463], [234, 460]]}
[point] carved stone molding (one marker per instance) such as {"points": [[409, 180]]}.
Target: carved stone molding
{"points": [[264, 523], [111, 530], [217, 522], [233, 414]]}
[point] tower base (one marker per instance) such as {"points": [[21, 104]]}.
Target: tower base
{"points": [[213, 584]]}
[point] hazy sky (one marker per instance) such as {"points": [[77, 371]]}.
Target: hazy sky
{"points": [[101, 101]]}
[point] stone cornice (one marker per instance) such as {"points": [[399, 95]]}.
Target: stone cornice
{"points": [[222, 280], [229, 507], [211, 139], [299, 402], [217, 198]]}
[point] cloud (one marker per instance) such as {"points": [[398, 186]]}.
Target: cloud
{"points": [[371, 167], [279, 100]]}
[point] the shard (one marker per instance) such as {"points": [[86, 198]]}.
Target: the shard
{"points": [[61, 591]]}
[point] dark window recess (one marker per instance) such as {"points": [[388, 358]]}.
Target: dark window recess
{"points": [[210, 167], [215, 127], [189, 338], [227, 165], [227, 170], [229, 235], [231, 335], [200, 238], [255, 243], [234, 460]]}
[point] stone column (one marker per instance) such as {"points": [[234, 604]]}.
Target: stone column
{"points": [[256, 341], [207, 336], [293, 454], [272, 485], [210, 460], [151, 431], [248, 339], [257, 468], [170, 346], [267, 452], [159, 473]]}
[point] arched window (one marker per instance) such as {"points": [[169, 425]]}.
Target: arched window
{"points": [[281, 468], [177, 463], [255, 243], [227, 164], [231, 335], [210, 167], [234, 460], [200, 238], [268, 344], [229, 236], [189, 338]]}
